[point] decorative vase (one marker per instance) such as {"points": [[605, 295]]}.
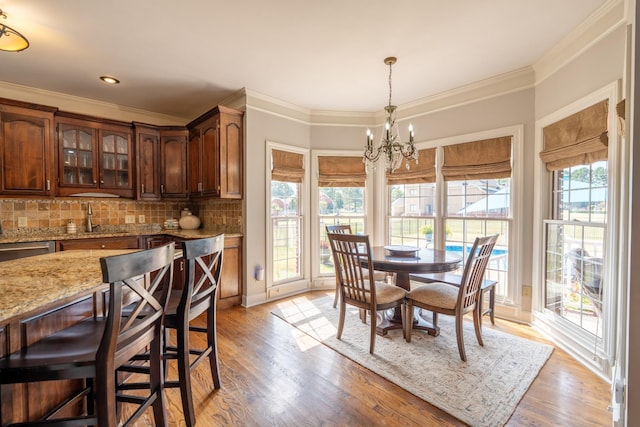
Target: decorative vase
{"points": [[189, 222]]}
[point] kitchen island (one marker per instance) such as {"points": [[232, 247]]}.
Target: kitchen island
{"points": [[41, 295]]}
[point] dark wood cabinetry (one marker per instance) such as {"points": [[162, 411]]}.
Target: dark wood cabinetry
{"points": [[161, 162], [94, 156], [231, 281], [26, 149], [173, 163], [215, 154], [178, 264], [124, 242]]}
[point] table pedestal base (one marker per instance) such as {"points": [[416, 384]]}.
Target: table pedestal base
{"points": [[386, 323]]}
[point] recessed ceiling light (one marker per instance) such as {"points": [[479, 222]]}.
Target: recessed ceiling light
{"points": [[110, 80]]}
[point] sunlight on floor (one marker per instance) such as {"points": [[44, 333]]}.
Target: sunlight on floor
{"points": [[310, 322]]}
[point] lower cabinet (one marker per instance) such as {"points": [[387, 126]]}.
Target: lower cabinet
{"points": [[230, 291]]}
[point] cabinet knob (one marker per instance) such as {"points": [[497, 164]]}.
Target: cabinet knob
{"points": [[101, 181], [103, 246], [95, 182]]}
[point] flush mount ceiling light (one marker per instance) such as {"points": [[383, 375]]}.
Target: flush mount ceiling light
{"points": [[109, 80], [10, 39], [391, 144]]}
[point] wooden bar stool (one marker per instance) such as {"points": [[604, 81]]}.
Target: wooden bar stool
{"points": [[93, 349], [204, 267]]}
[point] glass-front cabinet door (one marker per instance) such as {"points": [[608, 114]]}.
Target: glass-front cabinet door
{"points": [[115, 159], [94, 157], [76, 156]]}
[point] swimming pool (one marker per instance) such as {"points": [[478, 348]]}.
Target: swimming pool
{"points": [[498, 256]]}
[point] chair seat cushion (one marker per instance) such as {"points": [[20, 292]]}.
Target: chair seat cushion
{"points": [[386, 293], [435, 294]]}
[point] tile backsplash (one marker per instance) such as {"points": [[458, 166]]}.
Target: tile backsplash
{"points": [[55, 213]]}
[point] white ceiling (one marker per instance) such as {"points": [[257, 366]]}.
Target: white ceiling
{"points": [[181, 58]]}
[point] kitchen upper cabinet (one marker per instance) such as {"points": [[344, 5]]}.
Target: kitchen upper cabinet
{"points": [[94, 156], [215, 154], [173, 163], [148, 159], [27, 156], [161, 162]]}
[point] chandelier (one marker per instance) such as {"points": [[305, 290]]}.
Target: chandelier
{"points": [[10, 39], [391, 145]]}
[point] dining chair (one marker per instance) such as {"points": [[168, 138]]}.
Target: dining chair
{"points": [[342, 229], [352, 258], [94, 348], [442, 298], [487, 286]]}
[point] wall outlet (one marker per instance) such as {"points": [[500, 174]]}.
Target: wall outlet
{"points": [[141, 219], [22, 221], [129, 219]]}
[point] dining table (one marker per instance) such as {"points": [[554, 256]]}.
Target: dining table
{"points": [[403, 261]]}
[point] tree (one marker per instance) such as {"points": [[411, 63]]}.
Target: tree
{"points": [[396, 193], [600, 178], [281, 190], [581, 174]]}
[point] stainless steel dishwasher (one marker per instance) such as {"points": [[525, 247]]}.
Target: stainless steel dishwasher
{"points": [[10, 251]]}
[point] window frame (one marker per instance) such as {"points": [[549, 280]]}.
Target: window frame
{"points": [[298, 283], [615, 243], [324, 281], [511, 306]]}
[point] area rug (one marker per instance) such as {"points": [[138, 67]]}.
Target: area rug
{"points": [[484, 391]]}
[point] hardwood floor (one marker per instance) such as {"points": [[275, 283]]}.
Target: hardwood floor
{"points": [[272, 374]]}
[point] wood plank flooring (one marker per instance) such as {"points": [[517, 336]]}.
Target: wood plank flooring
{"points": [[272, 375]]}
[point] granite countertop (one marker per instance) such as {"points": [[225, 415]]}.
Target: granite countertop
{"points": [[31, 284], [39, 235]]}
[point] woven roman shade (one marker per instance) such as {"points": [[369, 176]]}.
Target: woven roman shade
{"points": [[579, 139], [287, 166], [484, 159], [341, 171], [423, 172]]}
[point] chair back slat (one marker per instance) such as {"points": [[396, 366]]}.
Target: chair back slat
{"points": [[474, 270], [340, 228], [204, 267], [352, 258], [138, 275]]}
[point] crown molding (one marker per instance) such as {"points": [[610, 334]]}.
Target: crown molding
{"points": [[609, 17], [79, 105], [513, 81]]}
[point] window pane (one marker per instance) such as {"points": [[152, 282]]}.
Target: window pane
{"points": [[412, 208], [479, 198], [581, 193], [286, 226], [574, 286], [490, 201], [338, 206]]}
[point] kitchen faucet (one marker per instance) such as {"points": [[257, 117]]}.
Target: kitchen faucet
{"points": [[90, 226]]}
